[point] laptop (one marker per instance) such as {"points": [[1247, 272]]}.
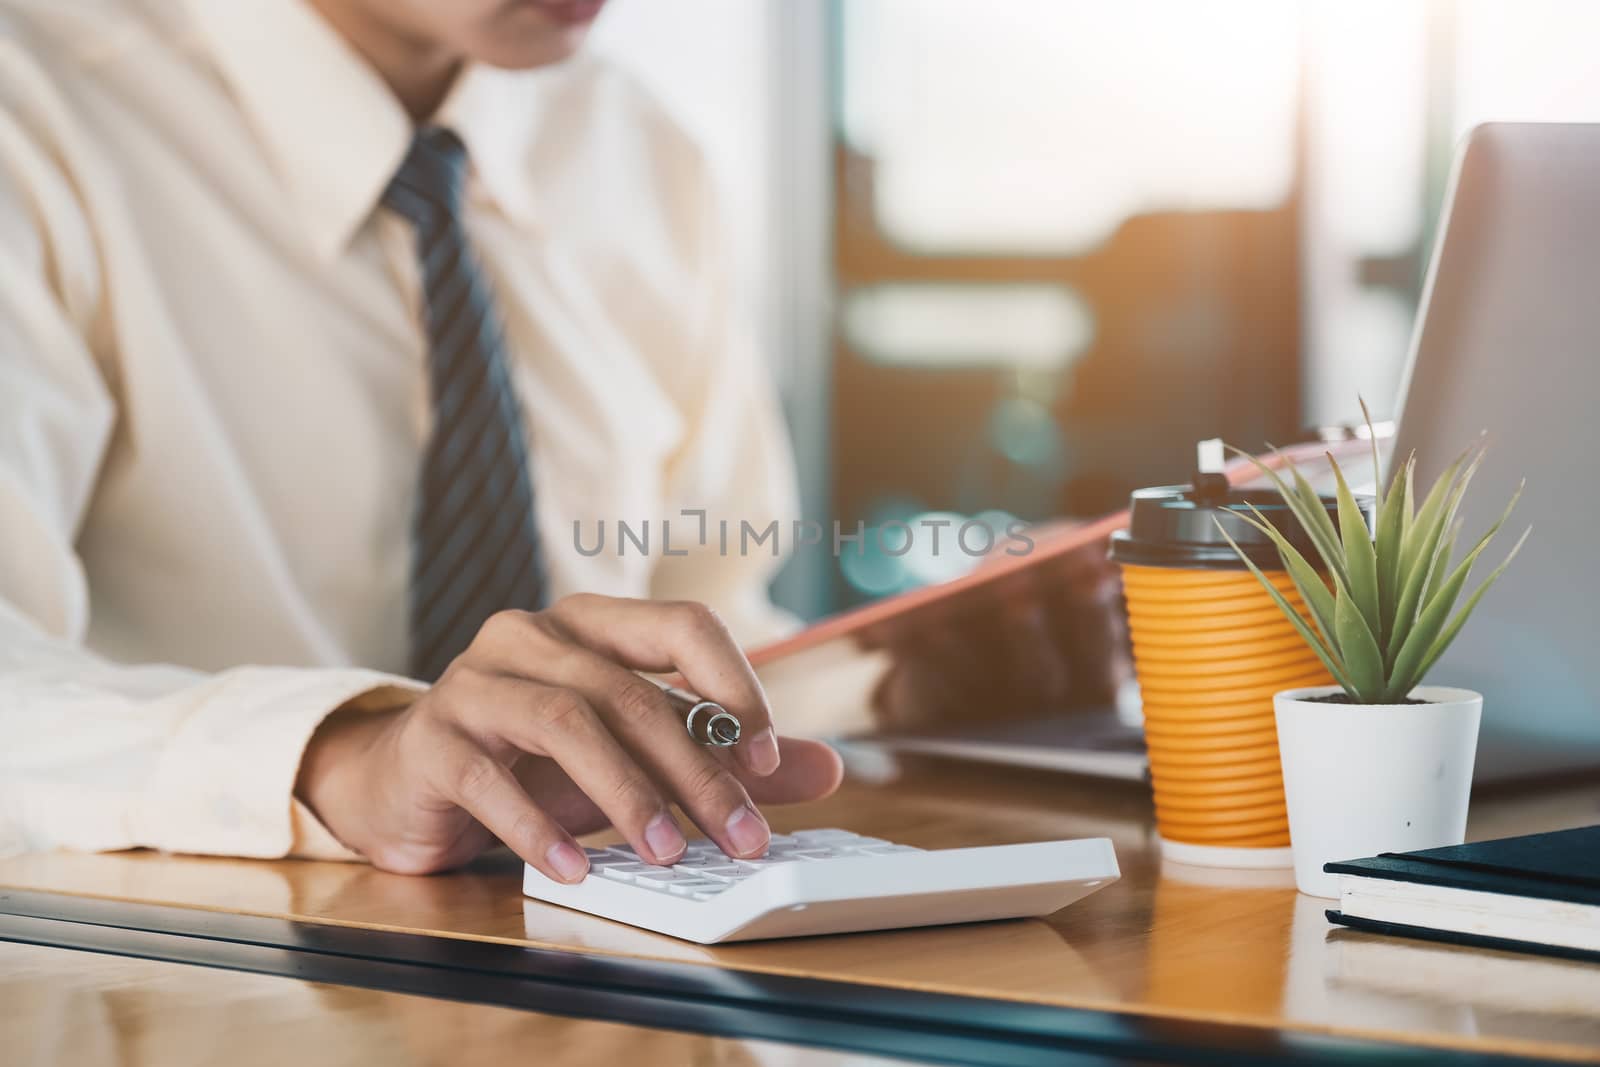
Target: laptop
{"points": [[1508, 340]]}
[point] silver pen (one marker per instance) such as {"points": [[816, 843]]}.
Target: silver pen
{"points": [[707, 721]]}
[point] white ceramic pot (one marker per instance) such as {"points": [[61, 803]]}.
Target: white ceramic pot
{"points": [[1362, 778]]}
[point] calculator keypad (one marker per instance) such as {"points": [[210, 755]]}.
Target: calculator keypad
{"points": [[705, 871]]}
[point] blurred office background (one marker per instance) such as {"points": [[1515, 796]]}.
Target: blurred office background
{"points": [[1015, 258]]}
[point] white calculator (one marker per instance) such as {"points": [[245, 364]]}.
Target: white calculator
{"points": [[828, 882]]}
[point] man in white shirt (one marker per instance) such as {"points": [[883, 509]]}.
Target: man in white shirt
{"points": [[249, 251]]}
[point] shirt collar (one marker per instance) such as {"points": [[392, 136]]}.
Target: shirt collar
{"points": [[497, 114], [334, 130]]}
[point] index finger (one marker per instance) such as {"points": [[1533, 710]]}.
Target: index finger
{"points": [[681, 636]]}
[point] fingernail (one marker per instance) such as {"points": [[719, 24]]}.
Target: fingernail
{"points": [[664, 838], [761, 752], [747, 832], [570, 863]]}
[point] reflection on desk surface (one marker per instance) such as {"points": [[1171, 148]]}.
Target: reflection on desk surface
{"points": [[1168, 942], [1505, 991], [63, 1007]]}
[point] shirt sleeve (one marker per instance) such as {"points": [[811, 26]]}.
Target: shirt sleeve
{"points": [[732, 484], [95, 754]]}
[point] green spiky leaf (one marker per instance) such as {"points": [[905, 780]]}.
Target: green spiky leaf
{"points": [[1442, 643], [1313, 519], [1417, 552], [1313, 590], [1359, 652], [1377, 461], [1392, 514], [1408, 663], [1361, 559], [1320, 525], [1341, 587], [1440, 564], [1328, 657]]}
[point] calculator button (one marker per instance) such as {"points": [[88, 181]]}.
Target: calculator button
{"points": [[694, 861], [723, 874], [817, 836], [606, 859]]}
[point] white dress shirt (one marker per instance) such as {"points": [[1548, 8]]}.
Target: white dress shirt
{"points": [[213, 396]]}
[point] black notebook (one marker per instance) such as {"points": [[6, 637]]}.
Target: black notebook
{"points": [[1539, 893]]}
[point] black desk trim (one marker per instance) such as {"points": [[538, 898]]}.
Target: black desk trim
{"points": [[928, 1027]]}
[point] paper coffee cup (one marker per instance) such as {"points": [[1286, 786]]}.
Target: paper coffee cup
{"points": [[1211, 648]]}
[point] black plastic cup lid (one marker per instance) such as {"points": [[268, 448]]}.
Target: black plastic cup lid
{"points": [[1169, 526]]}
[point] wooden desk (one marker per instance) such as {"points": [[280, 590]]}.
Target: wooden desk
{"points": [[1169, 963], [86, 1009]]}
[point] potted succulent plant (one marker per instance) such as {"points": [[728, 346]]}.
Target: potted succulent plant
{"points": [[1378, 763]]}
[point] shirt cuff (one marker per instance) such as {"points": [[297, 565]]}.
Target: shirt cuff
{"points": [[310, 840], [225, 783], [309, 837]]}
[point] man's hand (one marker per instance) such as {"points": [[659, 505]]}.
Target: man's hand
{"points": [[541, 730]]}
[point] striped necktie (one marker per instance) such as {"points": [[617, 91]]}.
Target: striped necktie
{"points": [[475, 545]]}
